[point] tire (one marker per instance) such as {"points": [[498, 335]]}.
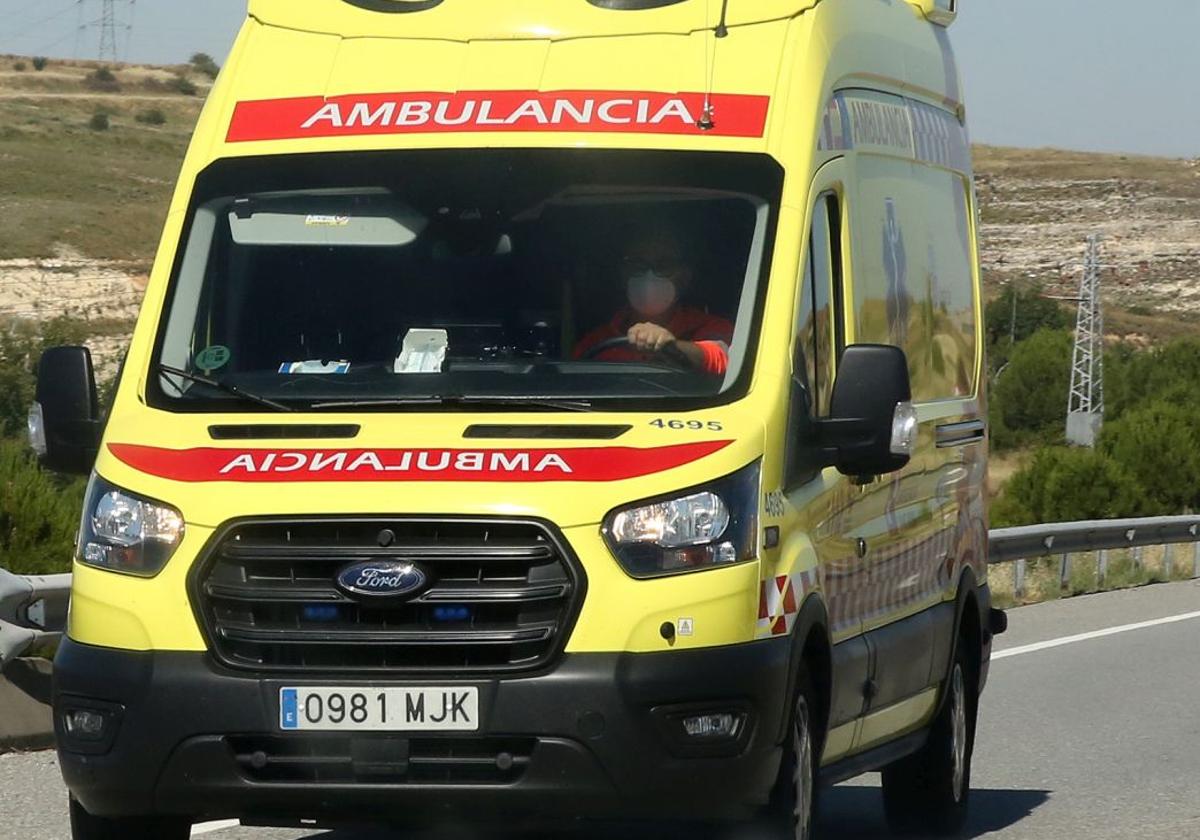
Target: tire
{"points": [[929, 792], [84, 826], [794, 802]]}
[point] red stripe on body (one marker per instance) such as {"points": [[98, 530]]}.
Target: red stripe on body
{"points": [[423, 465]]}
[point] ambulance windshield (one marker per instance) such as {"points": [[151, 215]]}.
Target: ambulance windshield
{"points": [[450, 277]]}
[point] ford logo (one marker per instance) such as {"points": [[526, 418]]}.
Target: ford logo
{"points": [[382, 579]]}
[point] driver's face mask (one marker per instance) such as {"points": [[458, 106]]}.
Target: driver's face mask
{"points": [[650, 293]]}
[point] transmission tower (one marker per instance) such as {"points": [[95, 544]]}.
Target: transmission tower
{"points": [[108, 31], [1085, 410]]}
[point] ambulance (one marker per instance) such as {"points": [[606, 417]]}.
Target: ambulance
{"points": [[541, 410]]}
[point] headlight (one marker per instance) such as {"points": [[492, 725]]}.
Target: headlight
{"points": [[125, 533], [704, 528]]}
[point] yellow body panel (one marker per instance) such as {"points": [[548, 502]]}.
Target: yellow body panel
{"points": [[797, 53]]}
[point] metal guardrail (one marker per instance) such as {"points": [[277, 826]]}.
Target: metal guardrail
{"points": [[33, 610], [1065, 539], [1031, 541]]}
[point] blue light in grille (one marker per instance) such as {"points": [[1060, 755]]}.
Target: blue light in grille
{"points": [[320, 612], [451, 614]]}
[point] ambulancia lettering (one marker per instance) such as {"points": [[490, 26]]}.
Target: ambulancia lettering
{"points": [[398, 462], [734, 115], [488, 112]]}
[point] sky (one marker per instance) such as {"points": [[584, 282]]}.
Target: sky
{"points": [[1099, 75]]}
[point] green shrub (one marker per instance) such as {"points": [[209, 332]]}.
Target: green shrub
{"points": [[99, 121], [40, 62], [152, 116], [102, 80], [203, 63], [1067, 485], [1159, 445], [182, 84], [19, 66], [1029, 397], [39, 514]]}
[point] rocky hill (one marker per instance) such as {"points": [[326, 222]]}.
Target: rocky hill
{"points": [[1038, 207], [87, 162]]}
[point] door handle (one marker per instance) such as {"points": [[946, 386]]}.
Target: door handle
{"points": [[960, 434]]}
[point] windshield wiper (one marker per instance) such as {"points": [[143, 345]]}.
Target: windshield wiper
{"points": [[516, 402], [227, 387]]}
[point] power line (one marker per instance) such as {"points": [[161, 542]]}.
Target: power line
{"points": [[20, 33]]}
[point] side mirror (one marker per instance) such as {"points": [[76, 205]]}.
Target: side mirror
{"points": [[872, 427], [64, 422]]}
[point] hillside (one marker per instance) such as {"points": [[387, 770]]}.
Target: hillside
{"points": [[1039, 206], [82, 208]]}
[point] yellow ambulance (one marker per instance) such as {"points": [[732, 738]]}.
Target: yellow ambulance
{"points": [[541, 409]]}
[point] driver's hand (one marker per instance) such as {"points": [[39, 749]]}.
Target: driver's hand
{"points": [[650, 338]]}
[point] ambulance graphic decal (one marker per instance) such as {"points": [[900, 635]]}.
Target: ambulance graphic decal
{"points": [[325, 465]]}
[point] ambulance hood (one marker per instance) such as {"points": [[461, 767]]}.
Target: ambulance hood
{"points": [[480, 20]]}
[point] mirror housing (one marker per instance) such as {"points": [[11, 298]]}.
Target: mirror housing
{"points": [[64, 422], [940, 12], [872, 427]]}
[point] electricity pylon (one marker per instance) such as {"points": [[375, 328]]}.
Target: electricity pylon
{"points": [[108, 31], [1085, 408]]}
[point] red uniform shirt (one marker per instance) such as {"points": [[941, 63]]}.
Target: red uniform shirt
{"points": [[711, 333]]}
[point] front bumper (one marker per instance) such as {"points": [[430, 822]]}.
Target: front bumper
{"points": [[595, 725]]}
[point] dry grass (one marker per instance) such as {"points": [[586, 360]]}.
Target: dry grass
{"points": [[1042, 576], [102, 193]]}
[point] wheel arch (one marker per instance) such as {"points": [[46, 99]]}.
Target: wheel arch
{"points": [[812, 651], [968, 618]]}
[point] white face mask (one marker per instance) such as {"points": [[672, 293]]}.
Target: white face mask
{"points": [[651, 294]]}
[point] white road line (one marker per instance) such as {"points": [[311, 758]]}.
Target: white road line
{"points": [[1097, 634], [209, 828]]}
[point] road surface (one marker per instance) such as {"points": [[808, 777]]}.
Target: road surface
{"points": [[1095, 735]]}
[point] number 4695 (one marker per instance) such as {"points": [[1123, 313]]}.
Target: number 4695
{"points": [[693, 425]]}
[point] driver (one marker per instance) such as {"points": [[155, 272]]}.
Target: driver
{"points": [[657, 274]]}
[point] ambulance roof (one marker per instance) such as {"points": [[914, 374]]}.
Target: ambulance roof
{"points": [[472, 20]]}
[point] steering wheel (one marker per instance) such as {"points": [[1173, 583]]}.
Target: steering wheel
{"points": [[670, 353]]}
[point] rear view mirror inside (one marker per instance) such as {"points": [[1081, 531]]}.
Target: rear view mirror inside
{"points": [[360, 219]]}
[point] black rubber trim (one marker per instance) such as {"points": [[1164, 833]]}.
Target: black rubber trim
{"points": [[874, 759], [279, 431], [634, 5], [496, 432], [395, 7], [997, 621]]}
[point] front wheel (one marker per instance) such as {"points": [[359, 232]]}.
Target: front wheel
{"points": [[84, 826], [794, 801], [928, 792]]}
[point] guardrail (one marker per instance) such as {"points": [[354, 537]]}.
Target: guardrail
{"points": [[33, 610], [1065, 539]]}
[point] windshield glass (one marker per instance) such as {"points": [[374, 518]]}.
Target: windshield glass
{"points": [[456, 276]]}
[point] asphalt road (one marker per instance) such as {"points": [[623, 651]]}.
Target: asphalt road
{"points": [[1097, 738]]}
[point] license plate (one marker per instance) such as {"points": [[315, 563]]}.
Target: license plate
{"points": [[379, 709]]}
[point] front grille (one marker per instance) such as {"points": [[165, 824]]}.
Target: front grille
{"points": [[503, 596], [323, 759]]}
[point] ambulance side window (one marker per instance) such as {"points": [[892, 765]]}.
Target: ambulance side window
{"points": [[815, 331], [817, 336]]}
